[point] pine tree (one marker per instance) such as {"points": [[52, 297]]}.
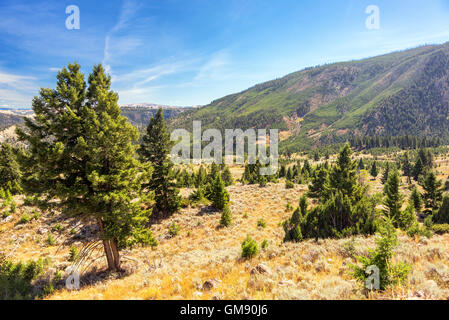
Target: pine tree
{"points": [[433, 192], [407, 168], [214, 171], [201, 177], [9, 169], [418, 169], [345, 209], [226, 175], [343, 176], [442, 215], [393, 198], [282, 171], [374, 172], [319, 184], [386, 173], [226, 217], [416, 200], [81, 152], [219, 194], [289, 175], [361, 165], [155, 148]]}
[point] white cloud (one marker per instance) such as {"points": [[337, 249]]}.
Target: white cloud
{"points": [[16, 90], [115, 47], [215, 66]]}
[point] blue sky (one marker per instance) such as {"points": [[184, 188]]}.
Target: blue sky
{"points": [[190, 52]]}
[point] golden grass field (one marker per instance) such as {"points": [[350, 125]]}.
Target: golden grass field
{"points": [[203, 261]]}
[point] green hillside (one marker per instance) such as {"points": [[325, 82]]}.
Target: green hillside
{"points": [[395, 94]]}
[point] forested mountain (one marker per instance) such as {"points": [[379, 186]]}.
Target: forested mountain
{"points": [[140, 116], [398, 94]]}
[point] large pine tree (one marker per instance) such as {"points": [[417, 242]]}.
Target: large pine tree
{"points": [[155, 148], [81, 152]]}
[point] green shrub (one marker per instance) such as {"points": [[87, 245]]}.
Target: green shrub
{"points": [[73, 254], [440, 228], [418, 230], [264, 244], [173, 229], [261, 223], [50, 240], [289, 185], [249, 248], [25, 219], [36, 215], [13, 207], [6, 214], [57, 228], [16, 279], [407, 217]]}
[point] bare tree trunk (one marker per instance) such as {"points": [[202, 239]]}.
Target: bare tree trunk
{"points": [[107, 249], [115, 254]]}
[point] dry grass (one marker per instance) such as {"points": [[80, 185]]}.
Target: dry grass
{"points": [[179, 266]]}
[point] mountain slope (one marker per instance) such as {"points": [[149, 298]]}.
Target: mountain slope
{"points": [[399, 93]]}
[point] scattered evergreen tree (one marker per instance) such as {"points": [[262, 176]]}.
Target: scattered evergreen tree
{"points": [[282, 171], [393, 198], [386, 173], [361, 165], [226, 217], [407, 218], [219, 195], [201, 177], [442, 215], [418, 169], [345, 209], [292, 226], [226, 175], [416, 200], [433, 192], [155, 148], [374, 172], [81, 152], [389, 273], [319, 183], [407, 168], [249, 248]]}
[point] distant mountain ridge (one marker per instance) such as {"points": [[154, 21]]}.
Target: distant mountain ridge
{"points": [[401, 93], [138, 114]]}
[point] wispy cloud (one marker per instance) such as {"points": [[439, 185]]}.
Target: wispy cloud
{"points": [[215, 66], [119, 46], [16, 90]]}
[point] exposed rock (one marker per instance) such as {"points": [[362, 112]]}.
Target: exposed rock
{"points": [[7, 219], [261, 269], [211, 284], [42, 231], [286, 283]]}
